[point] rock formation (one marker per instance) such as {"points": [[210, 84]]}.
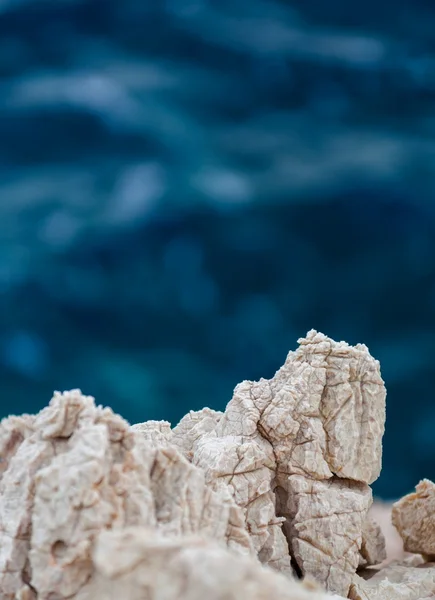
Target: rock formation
{"points": [[298, 452], [76, 470], [239, 504], [414, 518]]}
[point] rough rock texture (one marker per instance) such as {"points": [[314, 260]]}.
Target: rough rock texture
{"points": [[138, 563], [373, 548], [298, 452], [414, 518], [411, 579], [75, 470], [91, 507]]}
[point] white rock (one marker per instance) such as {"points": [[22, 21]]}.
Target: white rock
{"points": [[91, 508]]}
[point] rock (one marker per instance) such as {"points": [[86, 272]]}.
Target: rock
{"points": [[156, 432], [408, 580], [76, 470], [193, 427], [373, 548], [326, 531], [414, 518], [139, 563], [91, 507], [298, 452]]}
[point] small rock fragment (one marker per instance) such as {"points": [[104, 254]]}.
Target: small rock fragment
{"points": [[407, 580], [414, 518], [373, 550]]}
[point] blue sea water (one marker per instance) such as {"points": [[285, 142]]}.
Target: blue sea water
{"points": [[188, 186]]}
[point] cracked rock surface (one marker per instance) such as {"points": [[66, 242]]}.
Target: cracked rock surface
{"points": [[91, 507], [298, 452], [373, 548], [76, 470]]}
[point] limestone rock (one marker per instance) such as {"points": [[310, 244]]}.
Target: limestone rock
{"points": [[373, 547], [156, 432], [139, 563], [77, 469], [91, 507], [414, 518], [298, 452], [193, 427], [408, 580]]}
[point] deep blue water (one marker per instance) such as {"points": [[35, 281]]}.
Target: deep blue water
{"points": [[188, 186]]}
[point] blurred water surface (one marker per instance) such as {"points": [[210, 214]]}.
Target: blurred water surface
{"points": [[188, 186]]}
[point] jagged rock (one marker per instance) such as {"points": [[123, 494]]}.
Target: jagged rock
{"points": [[414, 518], [77, 469], [298, 452], [194, 426], [411, 579], [91, 507]]}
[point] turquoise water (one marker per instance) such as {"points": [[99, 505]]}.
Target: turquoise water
{"points": [[187, 187]]}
